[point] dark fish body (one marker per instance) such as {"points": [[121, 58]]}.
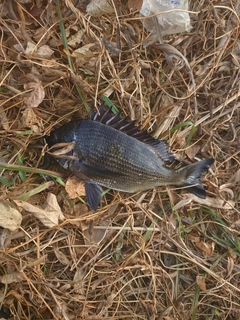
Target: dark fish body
{"points": [[114, 153]]}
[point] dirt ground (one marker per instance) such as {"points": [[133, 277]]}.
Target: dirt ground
{"points": [[163, 254]]}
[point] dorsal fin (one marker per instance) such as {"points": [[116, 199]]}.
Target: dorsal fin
{"points": [[106, 116]]}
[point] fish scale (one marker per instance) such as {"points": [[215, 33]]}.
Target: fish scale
{"points": [[113, 153], [114, 161], [148, 165]]}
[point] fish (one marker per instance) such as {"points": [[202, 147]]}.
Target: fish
{"points": [[107, 150]]}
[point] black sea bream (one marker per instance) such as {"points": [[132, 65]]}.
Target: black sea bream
{"points": [[111, 152]]}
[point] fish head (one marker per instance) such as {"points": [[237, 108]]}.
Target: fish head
{"points": [[52, 139], [61, 135], [62, 146]]}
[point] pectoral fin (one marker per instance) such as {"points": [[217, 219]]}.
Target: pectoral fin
{"points": [[94, 194]]}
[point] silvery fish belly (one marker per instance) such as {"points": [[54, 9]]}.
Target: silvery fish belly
{"points": [[111, 152]]}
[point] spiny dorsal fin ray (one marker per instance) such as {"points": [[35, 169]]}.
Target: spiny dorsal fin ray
{"points": [[105, 116]]}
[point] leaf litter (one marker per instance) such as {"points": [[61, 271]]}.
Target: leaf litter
{"points": [[50, 215], [10, 218], [161, 255]]}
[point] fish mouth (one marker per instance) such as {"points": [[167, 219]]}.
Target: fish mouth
{"points": [[62, 150]]}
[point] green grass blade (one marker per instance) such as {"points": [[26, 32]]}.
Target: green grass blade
{"points": [[65, 44], [63, 33], [18, 168], [5, 182], [35, 191], [21, 173], [110, 104], [181, 125], [190, 136], [195, 302]]}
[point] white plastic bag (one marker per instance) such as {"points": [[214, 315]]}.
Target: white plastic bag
{"points": [[168, 23]]}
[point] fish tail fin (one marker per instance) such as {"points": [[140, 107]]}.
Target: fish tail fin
{"points": [[192, 174]]}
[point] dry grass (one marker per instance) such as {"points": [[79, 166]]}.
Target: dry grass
{"points": [[158, 255]]}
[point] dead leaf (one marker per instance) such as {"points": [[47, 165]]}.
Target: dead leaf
{"points": [[201, 282], [227, 190], [194, 237], [97, 235], [75, 187], [50, 216], [44, 52], [232, 254], [30, 120], [212, 202], [135, 4], [181, 204], [53, 206], [232, 181], [235, 225], [30, 47], [10, 218], [47, 218], [36, 96], [11, 277], [83, 51], [97, 8], [230, 266], [62, 258], [206, 247], [75, 39], [236, 177], [110, 300], [4, 121], [192, 151], [79, 282], [171, 275], [61, 310]]}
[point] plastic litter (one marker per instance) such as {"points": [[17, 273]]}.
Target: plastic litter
{"points": [[165, 23]]}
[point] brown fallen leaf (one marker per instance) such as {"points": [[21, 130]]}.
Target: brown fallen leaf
{"points": [[230, 184], [10, 218], [192, 151], [97, 235], [181, 204], [11, 277], [4, 121], [206, 247], [83, 52], [97, 8], [230, 267], [194, 237], [79, 282], [53, 206], [235, 224], [62, 258], [212, 202], [228, 191], [29, 119], [75, 187], [201, 282], [75, 39], [135, 4], [44, 52], [36, 96], [49, 216]]}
